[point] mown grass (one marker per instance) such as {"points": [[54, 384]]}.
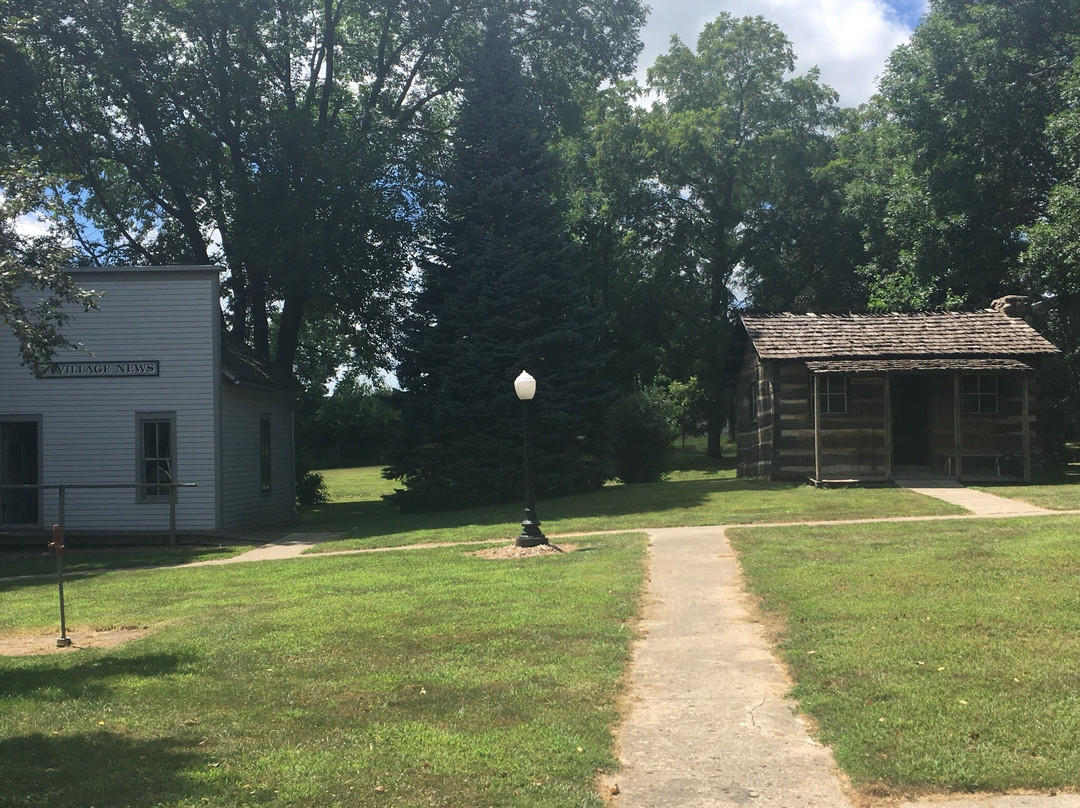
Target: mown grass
{"points": [[423, 678], [432, 678], [1059, 493], [933, 656], [697, 492], [14, 562]]}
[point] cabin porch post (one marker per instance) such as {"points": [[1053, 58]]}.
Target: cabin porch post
{"points": [[888, 427], [817, 427], [1026, 426], [957, 443]]}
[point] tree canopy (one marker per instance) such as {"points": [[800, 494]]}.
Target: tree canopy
{"points": [[36, 294], [365, 214], [952, 167], [296, 144], [734, 140]]}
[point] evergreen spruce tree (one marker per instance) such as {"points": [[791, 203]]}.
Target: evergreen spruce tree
{"points": [[502, 292]]}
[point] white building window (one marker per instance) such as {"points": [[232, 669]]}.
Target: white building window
{"points": [[157, 456]]}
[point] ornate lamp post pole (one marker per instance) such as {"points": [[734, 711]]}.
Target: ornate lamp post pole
{"points": [[531, 535]]}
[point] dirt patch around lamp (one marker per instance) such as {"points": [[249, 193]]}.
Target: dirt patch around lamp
{"points": [[511, 551], [34, 644]]}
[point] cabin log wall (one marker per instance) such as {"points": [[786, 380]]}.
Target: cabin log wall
{"points": [[756, 415], [779, 442]]}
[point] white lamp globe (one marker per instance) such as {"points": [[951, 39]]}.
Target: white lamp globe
{"points": [[525, 386]]}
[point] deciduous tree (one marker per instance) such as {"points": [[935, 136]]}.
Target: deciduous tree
{"points": [[295, 143], [954, 166], [733, 140], [36, 295]]}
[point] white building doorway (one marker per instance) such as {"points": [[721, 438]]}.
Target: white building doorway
{"points": [[19, 465]]}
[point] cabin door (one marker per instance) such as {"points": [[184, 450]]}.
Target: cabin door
{"points": [[19, 466], [910, 420]]}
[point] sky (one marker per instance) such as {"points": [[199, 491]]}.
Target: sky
{"points": [[849, 40]]}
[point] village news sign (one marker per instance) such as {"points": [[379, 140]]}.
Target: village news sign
{"points": [[95, 370]]}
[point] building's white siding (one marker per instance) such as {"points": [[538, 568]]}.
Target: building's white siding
{"points": [[242, 409], [88, 425]]}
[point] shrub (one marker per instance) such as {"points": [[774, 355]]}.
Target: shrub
{"points": [[642, 425], [311, 489]]}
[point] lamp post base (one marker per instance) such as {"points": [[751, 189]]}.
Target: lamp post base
{"points": [[531, 535]]}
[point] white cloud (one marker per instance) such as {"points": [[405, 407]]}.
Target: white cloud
{"points": [[32, 225], [849, 40]]}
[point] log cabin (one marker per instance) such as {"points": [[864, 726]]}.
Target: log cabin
{"points": [[876, 397]]}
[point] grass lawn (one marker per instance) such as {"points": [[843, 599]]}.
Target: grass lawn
{"points": [[943, 654], [933, 656], [1059, 494], [422, 678], [696, 493], [81, 559]]}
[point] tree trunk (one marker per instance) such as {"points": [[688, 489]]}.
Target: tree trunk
{"points": [[292, 317], [712, 443]]}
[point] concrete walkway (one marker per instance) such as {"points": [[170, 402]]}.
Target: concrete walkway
{"points": [[292, 546], [979, 503], [707, 723]]}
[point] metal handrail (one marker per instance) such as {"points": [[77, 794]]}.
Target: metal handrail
{"points": [[62, 488]]}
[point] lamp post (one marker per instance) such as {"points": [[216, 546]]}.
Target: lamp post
{"points": [[531, 535]]}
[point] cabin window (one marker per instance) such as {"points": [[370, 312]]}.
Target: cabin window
{"points": [[157, 456], [832, 393], [264, 453], [978, 393]]}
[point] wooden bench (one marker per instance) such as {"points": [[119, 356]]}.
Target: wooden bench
{"points": [[995, 456]]}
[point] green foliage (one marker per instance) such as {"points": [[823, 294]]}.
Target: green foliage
{"points": [[950, 166], [619, 220], [643, 423], [688, 399], [734, 142], [1051, 265], [311, 488], [501, 293], [37, 297], [354, 426], [295, 144]]}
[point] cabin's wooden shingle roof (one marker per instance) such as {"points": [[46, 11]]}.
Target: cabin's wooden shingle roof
{"points": [[986, 333], [918, 364]]}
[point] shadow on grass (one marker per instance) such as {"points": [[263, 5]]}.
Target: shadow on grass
{"points": [[377, 518], [89, 677], [84, 563], [692, 458], [1059, 477], [99, 768]]}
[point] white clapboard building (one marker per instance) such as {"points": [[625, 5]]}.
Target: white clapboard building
{"points": [[155, 395]]}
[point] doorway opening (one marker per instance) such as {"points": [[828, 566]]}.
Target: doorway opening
{"points": [[19, 465], [910, 421]]}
